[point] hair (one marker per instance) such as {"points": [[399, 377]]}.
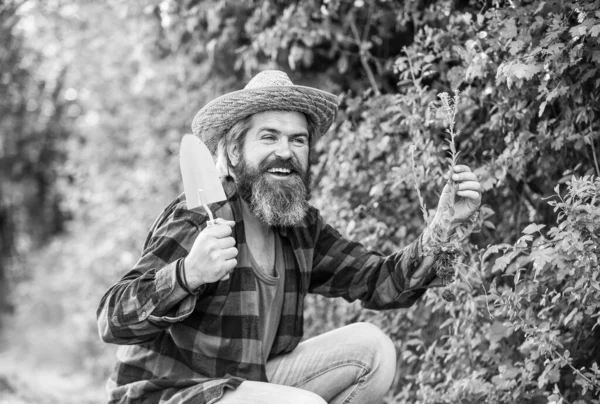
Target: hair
{"points": [[236, 135]]}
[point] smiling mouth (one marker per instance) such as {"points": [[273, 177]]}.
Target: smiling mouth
{"points": [[280, 172]]}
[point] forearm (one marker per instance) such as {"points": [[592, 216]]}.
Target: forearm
{"points": [[181, 290], [425, 267], [347, 269], [140, 306]]}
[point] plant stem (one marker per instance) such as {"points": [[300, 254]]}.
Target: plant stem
{"points": [[363, 58], [412, 74], [416, 179], [595, 157], [575, 370], [487, 301]]}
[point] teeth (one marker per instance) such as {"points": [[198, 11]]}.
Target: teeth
{"points": [[279, 170]]}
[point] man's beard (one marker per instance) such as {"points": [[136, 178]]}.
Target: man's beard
{"points": [[282, 203]]}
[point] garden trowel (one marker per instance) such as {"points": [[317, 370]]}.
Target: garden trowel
{"points": [[201, 182]]}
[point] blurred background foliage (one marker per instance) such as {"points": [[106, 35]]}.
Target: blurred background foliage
{"points": [[94, 99]]}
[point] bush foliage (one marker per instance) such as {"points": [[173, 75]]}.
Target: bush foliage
{"points": [[523, 324]]}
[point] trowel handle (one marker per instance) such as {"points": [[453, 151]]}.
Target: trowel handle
{"points": [[211, 223], [205, 206]]}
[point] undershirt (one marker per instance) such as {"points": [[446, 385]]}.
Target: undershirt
{"points": [[270, 296]]}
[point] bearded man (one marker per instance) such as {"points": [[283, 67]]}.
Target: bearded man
{"points": [[214, 313]]}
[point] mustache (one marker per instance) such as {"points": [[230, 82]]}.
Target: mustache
{"points": [[278, 162]]}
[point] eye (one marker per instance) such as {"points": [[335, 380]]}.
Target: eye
{"points": [[300, 140], [268, 137]]}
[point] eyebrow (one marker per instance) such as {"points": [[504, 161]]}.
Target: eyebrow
{"points": [[275, 131]]}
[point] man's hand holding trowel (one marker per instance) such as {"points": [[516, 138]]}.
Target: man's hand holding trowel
{"points": [[213, 255]]}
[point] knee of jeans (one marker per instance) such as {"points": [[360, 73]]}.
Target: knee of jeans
{"points": [[384, 351]]}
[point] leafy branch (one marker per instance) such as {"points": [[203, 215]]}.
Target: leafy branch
{"points": [[568, 361], [448, 110]]}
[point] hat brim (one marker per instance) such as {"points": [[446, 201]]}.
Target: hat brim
{"points": [[217, 117]]}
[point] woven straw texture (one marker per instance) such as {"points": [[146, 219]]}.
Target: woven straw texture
{"points": [[267, 91]]}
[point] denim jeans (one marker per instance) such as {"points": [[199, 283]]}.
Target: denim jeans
{"points": [[352, 364]]}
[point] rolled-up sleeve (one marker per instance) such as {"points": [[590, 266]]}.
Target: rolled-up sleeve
{"points": [[143, 303], [342, 268]]}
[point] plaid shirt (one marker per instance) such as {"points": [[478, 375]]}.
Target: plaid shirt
{"points": [[195, 348]]}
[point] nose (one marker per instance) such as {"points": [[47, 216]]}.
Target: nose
{"points": [[283, 150]]}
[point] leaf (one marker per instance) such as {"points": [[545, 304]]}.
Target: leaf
{"points": [[489, 224], [532, 228], [510, 28], [502, 262], [540, 7], [542, 108], [493, 250], [511, 372], [446, 323], [522, 241], [516, 46], [525, 71], [570, 316], [377, 190], [497, 332], [595, 30], [542, 257], [556, 49], [578, 30]]}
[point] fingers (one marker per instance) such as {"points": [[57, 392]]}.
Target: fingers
{"points": [[225, 242], [229, 223], [462, 173], [222, 228], [225, 247], [461, 168], [468, 184], [464, 176], [469, 194], [229, 253], [471, 190]]}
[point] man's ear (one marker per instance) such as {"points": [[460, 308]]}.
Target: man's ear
{"points": [[233, 152]]}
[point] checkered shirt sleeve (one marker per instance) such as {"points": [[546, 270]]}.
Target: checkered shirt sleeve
{"points": [[342, 268], [126, 314]]}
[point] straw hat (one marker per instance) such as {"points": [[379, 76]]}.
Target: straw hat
{"points": [[269, 90]]}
